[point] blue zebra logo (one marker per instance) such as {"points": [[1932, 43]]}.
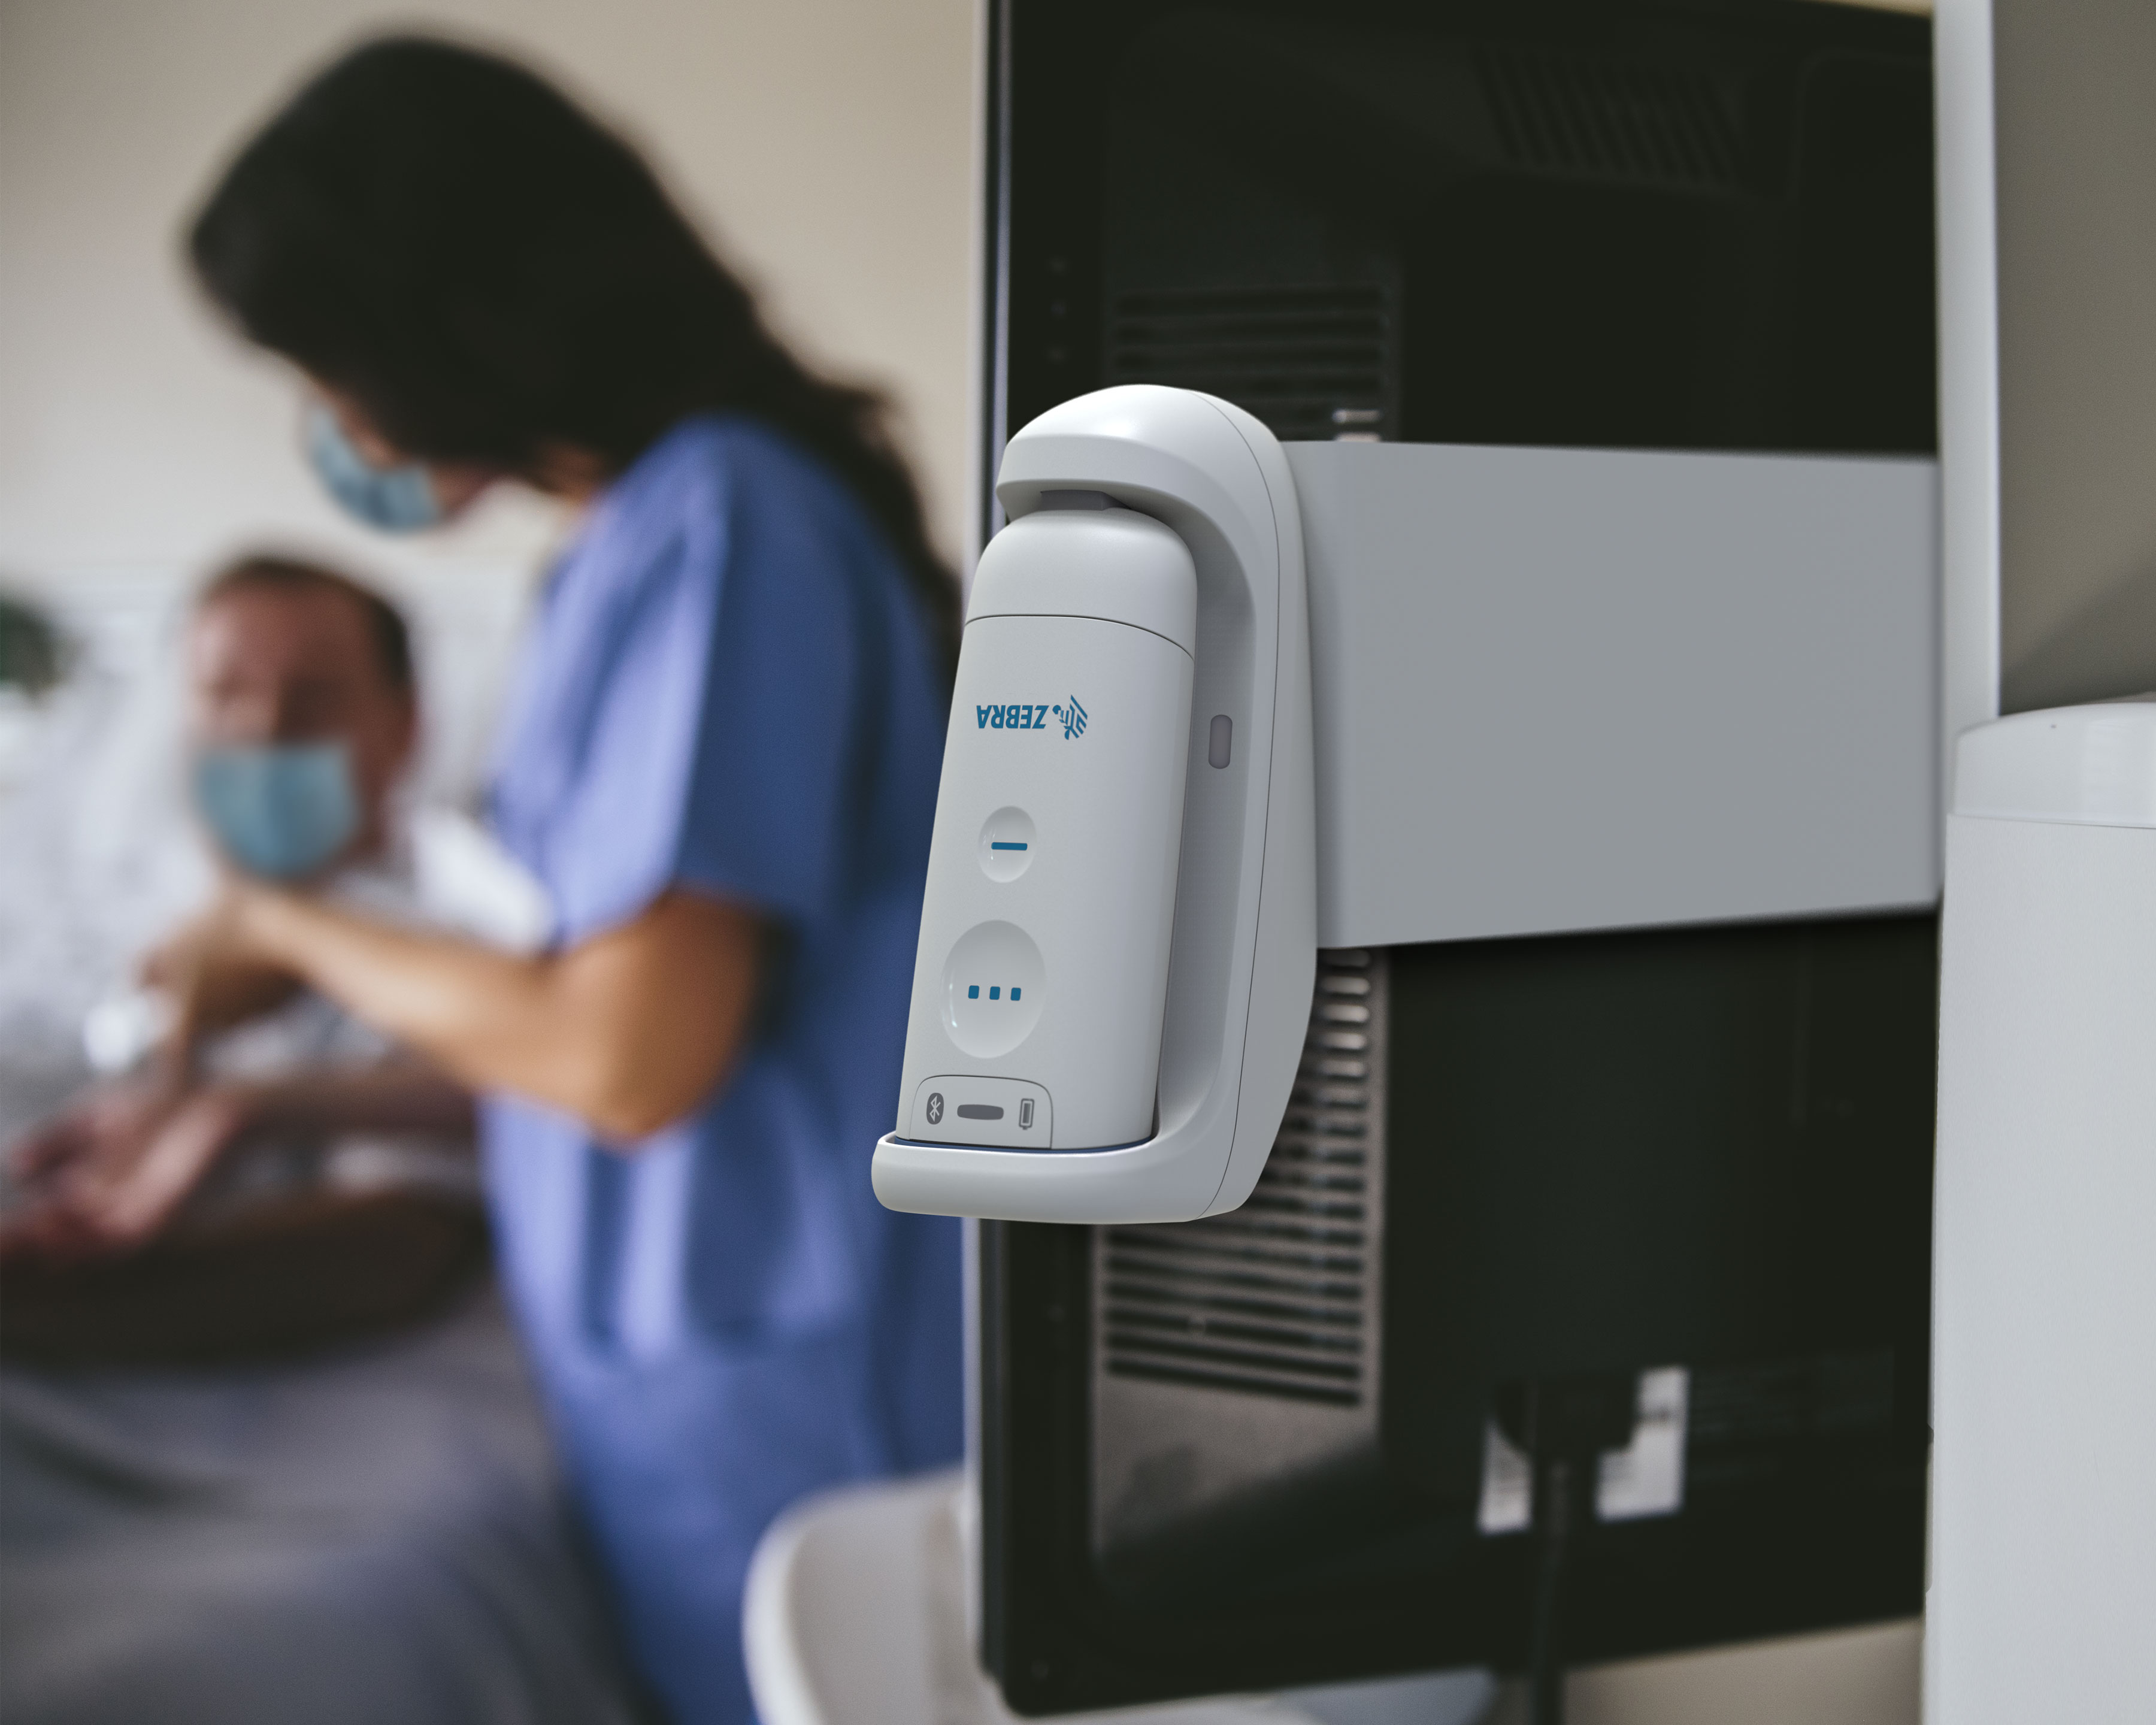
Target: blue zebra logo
{"points": [[1072, 717]]}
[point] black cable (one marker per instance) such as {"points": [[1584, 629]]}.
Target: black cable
{"points": [[1564, 1425], [1552, 1524]]}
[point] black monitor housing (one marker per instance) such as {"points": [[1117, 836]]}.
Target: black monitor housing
{"points": [[1261, 1450]]}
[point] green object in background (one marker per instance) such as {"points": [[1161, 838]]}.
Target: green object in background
{"points": [[30, 656]]}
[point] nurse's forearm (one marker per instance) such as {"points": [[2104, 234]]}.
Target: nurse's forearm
{"points": [[628, 1031]]}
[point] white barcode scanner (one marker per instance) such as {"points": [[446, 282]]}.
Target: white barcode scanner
{"points": [[1119, 936]]}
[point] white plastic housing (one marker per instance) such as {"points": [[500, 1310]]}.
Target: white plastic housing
{"points": [[1166, 924], [1051, 879], [2043, 1308], [1584, 689]]}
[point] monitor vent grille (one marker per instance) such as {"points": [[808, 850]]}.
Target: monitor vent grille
{"points": [[1311, 363], [1279, 1297], [1608, 119]]}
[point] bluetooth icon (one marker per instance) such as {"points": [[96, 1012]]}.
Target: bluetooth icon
{"points": [[935, 1107]]}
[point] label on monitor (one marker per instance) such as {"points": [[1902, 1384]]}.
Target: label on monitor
{"points": [[1645, 1478]]}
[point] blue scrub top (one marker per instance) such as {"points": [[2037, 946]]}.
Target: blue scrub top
{"points": [[730, 688]]}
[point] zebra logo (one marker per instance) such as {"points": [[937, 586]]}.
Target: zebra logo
{"points": [[1072, 717]]}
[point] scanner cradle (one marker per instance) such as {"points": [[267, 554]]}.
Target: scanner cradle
{"points": [[1118, 938]]}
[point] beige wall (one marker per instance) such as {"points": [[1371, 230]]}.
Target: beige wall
{"points": [[1865, 1677], [2076, 120]]}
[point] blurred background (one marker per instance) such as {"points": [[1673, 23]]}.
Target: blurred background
{"points": [[826, 146], [288, 1525], [829, 148]]}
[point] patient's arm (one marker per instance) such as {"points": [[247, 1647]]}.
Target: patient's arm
{"points": [[404, 1096], [110, 1172]]}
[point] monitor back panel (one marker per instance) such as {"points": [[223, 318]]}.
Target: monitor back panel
{"points": [[1253, 1451]]}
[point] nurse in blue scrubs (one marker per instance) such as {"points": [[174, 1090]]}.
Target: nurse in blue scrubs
{"points": [[719, 757]]}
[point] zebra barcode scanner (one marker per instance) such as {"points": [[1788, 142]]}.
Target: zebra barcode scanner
{"points": [[1118, 938]]}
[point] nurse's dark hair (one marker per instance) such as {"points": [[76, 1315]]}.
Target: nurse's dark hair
{"points": [[485, 269], [387, 634]]}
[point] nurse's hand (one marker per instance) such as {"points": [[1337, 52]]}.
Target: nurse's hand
{"points": [[215, 972], [110, 1172]]}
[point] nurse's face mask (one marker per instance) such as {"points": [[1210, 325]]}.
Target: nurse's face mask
{"points": [[281, 811], [400, 499]]}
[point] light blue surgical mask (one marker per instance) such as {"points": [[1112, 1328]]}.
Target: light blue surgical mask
{"points": [[397, 499], [279, 810]]}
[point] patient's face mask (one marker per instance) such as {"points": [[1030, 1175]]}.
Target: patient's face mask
{"points": [[397, 499], [278, 810]]}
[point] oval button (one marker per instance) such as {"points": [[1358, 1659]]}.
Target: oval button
{"points": [[992, 989], [1007, 844]]}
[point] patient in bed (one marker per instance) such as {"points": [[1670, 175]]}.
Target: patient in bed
{"points": [[270, 1451]]}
